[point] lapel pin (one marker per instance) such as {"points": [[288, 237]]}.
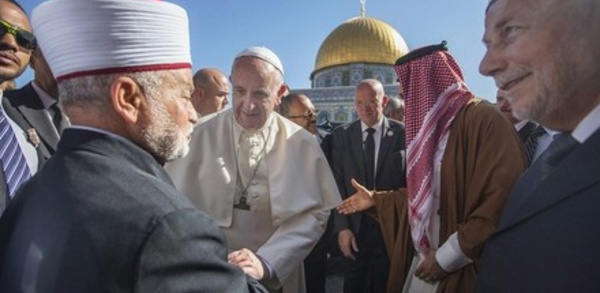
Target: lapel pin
{"points": [[33, 137], [390, 133]]}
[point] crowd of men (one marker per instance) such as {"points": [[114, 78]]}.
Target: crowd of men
{"points": [[123, 172]]}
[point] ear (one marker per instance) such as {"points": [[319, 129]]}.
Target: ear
{"points": [[200, 92], [32, 61], [126, 97], [384, 101], [283, 89]]}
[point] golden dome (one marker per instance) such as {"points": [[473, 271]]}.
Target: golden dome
{"points": [[361, 40]]}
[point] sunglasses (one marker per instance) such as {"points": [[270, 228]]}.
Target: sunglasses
{"points": [[24, 38]]}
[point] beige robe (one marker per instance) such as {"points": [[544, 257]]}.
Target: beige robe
{"points": [[301, 191], [482, 161]]}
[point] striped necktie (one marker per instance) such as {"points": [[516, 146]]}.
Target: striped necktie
{"points": [[531, 143], [14, 164]]}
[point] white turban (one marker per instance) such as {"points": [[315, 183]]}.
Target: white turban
{"points": [[88, 37], [263, 53]]}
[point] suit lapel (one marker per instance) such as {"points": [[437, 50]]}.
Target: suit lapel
{"points": [[387, 138], [571, 176], [42, 124], [356, 147], [34, 112]]}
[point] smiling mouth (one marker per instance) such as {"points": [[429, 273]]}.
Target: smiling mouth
{"points": [[251, 114], [507, 86]]}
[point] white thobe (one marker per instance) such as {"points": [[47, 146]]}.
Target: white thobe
{"points": [[449, 255]]}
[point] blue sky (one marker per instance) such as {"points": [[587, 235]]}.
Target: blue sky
{"points": [[295, 29]]}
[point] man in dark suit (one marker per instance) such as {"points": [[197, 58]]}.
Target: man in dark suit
{"points": [[103, 215], [547, 239], [37, 103], [370, 151], [18, 153]]}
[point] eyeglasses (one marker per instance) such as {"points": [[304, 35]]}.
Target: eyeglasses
{"points": [[24, 38], [310, 114], [368, 103]]}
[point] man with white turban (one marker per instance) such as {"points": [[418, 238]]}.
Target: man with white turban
{"points": [[261, 177], [103, 215]]}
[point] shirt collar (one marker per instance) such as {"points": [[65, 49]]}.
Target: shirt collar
{"points": [[46, 99], [377, 126], [520, 124], [587, 126]]}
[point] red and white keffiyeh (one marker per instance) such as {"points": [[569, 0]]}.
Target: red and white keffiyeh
{"points": [[434, 92]]}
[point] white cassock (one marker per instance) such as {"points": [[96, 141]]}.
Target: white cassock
{"points": [[290, 190]]}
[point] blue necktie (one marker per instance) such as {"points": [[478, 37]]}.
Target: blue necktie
{"points": [[562, 144], [14, 165]]}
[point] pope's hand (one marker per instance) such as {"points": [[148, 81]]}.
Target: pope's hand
{"points": [[248, 262], [359, 201]]}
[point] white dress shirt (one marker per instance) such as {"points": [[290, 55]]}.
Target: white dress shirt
{"points": [[376, 136]]}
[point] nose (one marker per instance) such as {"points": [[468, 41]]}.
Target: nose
{"points": [[192, 114], [9, 41], [491, 63], [248, 104]]}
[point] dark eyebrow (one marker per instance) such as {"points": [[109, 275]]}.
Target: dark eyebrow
{"points": [[497, 26]]}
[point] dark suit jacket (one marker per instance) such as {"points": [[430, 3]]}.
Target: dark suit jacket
{"points": [[13, 114], [348, 163], [103, 216], [548, 236], [28, 104]]}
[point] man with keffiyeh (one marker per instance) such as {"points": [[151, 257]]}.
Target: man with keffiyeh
{"points": [[463, 160]]}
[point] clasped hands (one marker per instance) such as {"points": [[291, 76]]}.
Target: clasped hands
{"points": [[248, 262]]}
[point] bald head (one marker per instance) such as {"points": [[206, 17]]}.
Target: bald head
{"points": [[369, 101], [300, 110], [211, 91]]}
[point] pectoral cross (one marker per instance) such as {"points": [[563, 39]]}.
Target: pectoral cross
{"points": [[242, 204]]}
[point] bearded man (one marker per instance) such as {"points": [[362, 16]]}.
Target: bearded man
{"points": [[103, 215], [462, 161]]}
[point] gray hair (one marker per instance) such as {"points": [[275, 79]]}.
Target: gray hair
{"points": [[394, 104], [93, 92]]}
